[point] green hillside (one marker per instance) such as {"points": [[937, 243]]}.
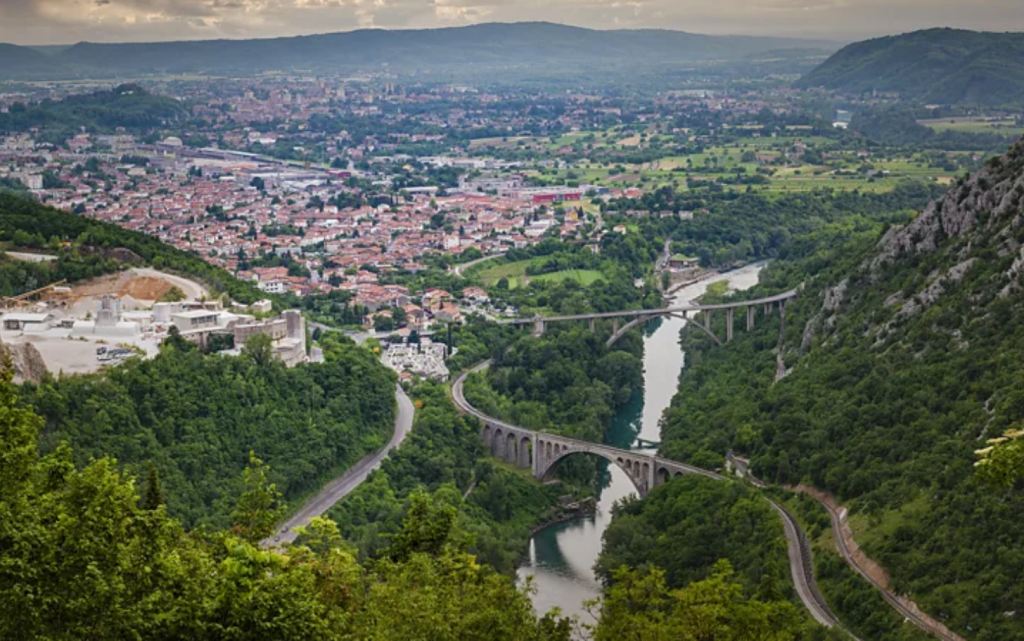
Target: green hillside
{"points": [[23, 63], [943, 66], [128, 106], [903, 355], [87, 248]]}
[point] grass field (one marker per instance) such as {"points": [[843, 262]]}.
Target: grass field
{"points": [[582, 276], [516, 274]]}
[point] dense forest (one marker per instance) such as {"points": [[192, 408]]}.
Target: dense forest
{"points": [[84, 556], [566, 381], [444, 455], [89, 552], [88, 248], [941, 66], [196, 418], [902, 358], [128, 106], [685, 527], [688, 532]]}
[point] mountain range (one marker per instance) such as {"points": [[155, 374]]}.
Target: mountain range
{"points": [[943, 66], [535, 47]]}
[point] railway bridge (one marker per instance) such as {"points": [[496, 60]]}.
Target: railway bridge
{"points": [[541, 452]]}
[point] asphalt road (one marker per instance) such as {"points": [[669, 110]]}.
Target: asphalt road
{"points": [[464, 266], [340, 487], [910, 614], [801, 566]]}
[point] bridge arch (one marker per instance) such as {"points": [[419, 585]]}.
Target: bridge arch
{"points": [[641, 320], [497, 444], [525, 452], [637, 469], [510, 448]]}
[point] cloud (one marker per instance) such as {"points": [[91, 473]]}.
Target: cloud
{"points": [[64, 21]]}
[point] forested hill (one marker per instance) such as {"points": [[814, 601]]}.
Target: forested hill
{"points": [[87, 248], [128, 106], [944, 66], [519, 46], [904, 354]]}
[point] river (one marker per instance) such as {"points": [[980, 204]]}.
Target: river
{"points": [[562, 556]]}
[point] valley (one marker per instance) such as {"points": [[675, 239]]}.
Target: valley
{"points": [[515, 330]]}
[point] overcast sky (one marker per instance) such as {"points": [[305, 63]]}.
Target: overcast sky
{"points": [[69, 21]]}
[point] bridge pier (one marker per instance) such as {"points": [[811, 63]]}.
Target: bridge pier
{"points": [[615, 326], [750, 318], [728, 324], [707, 320], [593, 324], [539, 326]]}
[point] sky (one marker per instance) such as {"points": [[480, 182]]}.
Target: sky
{"points": [[38, 22]]}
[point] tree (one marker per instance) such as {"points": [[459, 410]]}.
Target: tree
{"points": [[640, 606], [382, 323], [154, 497], [260, 348], [1002, 461], [259, 508], [399, 316]]}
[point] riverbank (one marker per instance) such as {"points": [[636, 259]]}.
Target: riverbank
{"points": [[562, 555], [578, 510]]}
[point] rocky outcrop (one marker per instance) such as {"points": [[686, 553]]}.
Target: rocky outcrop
{"points": [[834, 295], [27, 361], [991, 197]]}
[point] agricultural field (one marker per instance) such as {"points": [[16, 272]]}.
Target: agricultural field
{"points": [[614, 138], [830, 166], [1004, 127]]}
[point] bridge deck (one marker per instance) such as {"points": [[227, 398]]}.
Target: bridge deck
{"points": [[640, 313]]}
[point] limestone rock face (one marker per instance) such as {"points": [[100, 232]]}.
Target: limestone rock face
{"points": [[991, 198], [28, 362]]}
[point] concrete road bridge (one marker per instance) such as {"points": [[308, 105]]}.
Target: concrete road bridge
{"points": [[623, 321]]}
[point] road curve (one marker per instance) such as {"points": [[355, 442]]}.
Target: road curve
{"points": [[910, 611], [464, 266], [340, 487], [801, 565]]}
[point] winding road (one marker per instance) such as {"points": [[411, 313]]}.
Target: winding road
{"points": [[342, 486], [906, 608]]}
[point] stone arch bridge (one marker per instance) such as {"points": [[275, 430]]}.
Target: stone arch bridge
{"points": [[542, 452]]}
